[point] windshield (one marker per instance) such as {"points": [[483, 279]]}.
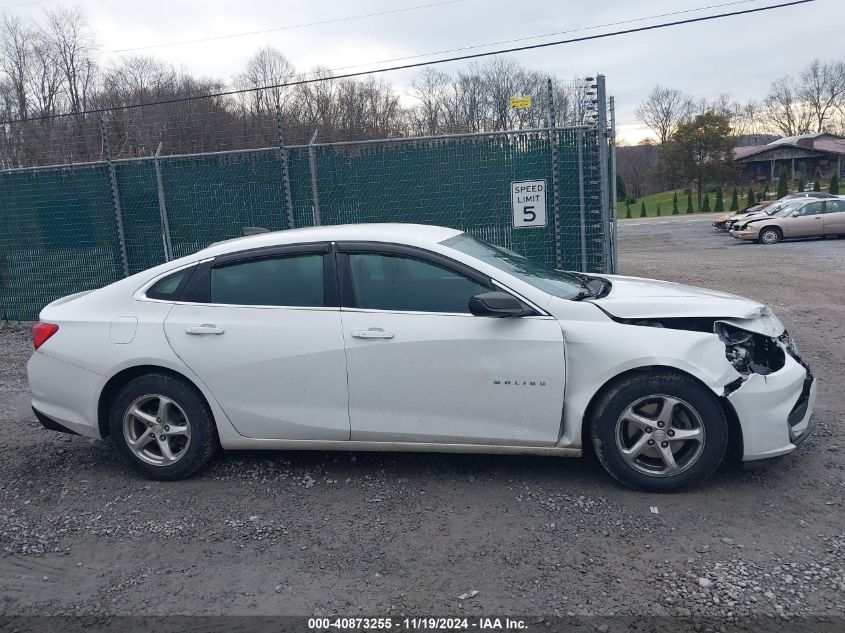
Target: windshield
{"points": [[544, 278], [787, 208]]}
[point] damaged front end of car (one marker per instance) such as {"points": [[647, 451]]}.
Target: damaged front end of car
{"points": [[772, 391]]}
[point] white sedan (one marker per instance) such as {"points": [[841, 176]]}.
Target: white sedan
{"points": [[416, 338]]}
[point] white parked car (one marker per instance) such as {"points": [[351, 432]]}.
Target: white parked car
{"points": [[416, 338]]}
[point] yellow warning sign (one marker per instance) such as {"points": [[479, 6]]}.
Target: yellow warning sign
{"points": [[520, 103]]}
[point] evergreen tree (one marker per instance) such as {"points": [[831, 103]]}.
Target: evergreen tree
{"points": [[689, 201], [783, 186], [751, 200], [766, 192], [642, 211], [817, 186], [658, 208], [674, 203], [801, 182], [627, 210], [705, 206], [621, 189], [834, 184], [734, 201], [720, 201]]}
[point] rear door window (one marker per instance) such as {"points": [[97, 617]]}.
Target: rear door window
{"points": [[293, 280]]}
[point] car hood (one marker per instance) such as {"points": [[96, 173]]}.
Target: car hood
{"points": [[638, 298], [745, 216]]}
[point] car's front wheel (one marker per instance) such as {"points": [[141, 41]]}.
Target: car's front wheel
{"points": [[659, 431], [162, 426], [769, 235]]}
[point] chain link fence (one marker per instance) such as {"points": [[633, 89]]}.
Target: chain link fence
{"points": [[69, 223]]}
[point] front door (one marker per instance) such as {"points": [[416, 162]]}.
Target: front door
{"points": [[423, 369], [266, 340], [809, 222]]}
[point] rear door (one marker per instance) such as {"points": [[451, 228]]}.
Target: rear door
{"points": [[262, 330], [809, 222], [834, 217], [423, 369]]}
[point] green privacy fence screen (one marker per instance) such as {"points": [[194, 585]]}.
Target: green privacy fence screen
{"points": [[68, 228]]}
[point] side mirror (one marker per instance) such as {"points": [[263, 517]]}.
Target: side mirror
{"points": [[795, 214], [497, 304]]}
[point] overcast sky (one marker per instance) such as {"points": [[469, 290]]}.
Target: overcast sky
{"points": [[739, 55]]}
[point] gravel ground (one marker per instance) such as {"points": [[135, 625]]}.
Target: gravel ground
{"points": [[323, 533]]}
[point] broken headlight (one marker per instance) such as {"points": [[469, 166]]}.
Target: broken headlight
{"points": [[750, 352], [790, 344]]}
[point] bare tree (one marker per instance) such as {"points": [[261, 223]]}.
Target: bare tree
{"points": [[821, 88], [637, 165], [74, 47], [429, 88], [785, 110], [268, 67], [663, 110], [15, 54]]}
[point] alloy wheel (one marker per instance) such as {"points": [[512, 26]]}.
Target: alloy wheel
{"points": [[660, 436], [156, 430]]}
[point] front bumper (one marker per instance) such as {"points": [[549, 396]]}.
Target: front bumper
{"points": [[775, 411], [744, 235]]}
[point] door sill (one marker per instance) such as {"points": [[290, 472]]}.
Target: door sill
{"points": [[247, 443]]}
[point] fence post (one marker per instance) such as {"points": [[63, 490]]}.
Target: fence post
{"points": [[551, 123], [603, 183], [115, 194], [582, 211], [614, 202], [283, 153], [162, 209], [315, 194]]}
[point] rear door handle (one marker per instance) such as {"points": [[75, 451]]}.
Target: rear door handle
{"points": [[373, 332], [205, 328]]}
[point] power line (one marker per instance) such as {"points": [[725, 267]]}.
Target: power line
{"points": [[289, 27], [584, 38], [25, 4], [535, 37]]}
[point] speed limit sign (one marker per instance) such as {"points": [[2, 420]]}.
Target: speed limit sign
{"points": [[528, 201]]}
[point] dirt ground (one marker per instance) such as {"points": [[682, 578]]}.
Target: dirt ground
{"points": [[367, 533]]}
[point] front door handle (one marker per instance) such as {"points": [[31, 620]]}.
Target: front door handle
{"points": [[205, 328], [373, 332]]}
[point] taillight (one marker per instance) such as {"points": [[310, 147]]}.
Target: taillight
{"points": [[41, 332]]}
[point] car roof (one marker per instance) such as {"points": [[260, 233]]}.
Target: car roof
{"points": [[411, 234]]}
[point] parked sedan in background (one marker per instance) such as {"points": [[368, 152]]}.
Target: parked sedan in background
{"points": [[798, 218], [416, 338]]}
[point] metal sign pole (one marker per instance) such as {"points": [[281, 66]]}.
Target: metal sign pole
{"points": [[603, 169], [162, 208], [315, 194], [283, 153], [115, 195], [551, 122]]}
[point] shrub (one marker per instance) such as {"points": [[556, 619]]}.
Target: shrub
{"points": [[734, 201], [783, 186], [751, 200], [674, 203], [642, 211], [834, 184], [627, 211], [720, 201], [689, 201], [705, 205]]}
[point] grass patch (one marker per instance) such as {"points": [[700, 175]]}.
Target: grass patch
{"points": [[664, 199]]}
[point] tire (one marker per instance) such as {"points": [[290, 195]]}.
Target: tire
{"points": [[156, 406], [769, 236], [646, 467]]}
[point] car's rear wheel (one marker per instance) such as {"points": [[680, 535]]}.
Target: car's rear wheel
{"points": [[659, 431], [769, 235], [162, 427]]}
